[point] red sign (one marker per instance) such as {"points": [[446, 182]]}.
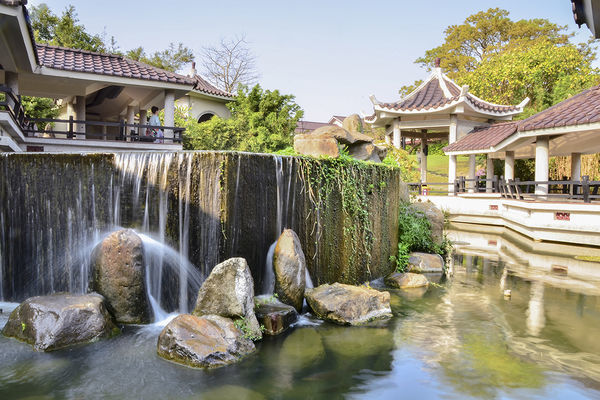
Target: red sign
{"points": [[562, 216], [494, 207]]}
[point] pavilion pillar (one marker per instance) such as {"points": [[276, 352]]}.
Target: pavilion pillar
{"points": [[472, 166], [542, 146], [388, 140], [397, 139], [509, 165], [423, 157], [130, 121], [169, 112], [575, 166], [11, 79], [104, 131], [453, 133], [80, 116], [142, 121], [489, 174]]}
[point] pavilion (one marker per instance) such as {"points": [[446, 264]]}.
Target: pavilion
{"points": [[438, 109], [569, 128]]}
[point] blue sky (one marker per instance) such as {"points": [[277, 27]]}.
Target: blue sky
{"points": [[330, 54]]}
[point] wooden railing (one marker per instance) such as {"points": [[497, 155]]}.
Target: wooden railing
{"points": [[45, 127], [580, 190]]}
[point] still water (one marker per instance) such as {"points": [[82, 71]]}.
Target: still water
{"points": [[459, 339]]}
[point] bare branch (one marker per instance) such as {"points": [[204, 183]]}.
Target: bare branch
{"points": [[229, 63]]}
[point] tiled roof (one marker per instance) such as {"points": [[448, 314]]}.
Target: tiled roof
{"points": [[583, 108], [203, 86], [104, 64], [483, 138], [431, 95]]}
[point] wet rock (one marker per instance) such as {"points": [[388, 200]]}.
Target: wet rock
{"points": [[316, 147], [229, 292], [341, 135], [118, 273], [275, 316], [406, 280], [209, 341], [301, 349], [60, 320], [289, 266], [348, 305], [435, 217], [424, 262], [353, 123]]}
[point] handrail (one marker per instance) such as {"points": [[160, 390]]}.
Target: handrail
{"points": [[12, 104], [582, 189]]}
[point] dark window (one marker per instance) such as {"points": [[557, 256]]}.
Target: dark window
{"points": [[205, 117]]}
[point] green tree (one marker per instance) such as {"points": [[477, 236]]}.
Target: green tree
{"points": [[64, 30], [261, 121], [545, 72], [171, 59], [487, 33]]}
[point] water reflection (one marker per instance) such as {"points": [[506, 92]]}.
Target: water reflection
{"points": [[461, 338]]}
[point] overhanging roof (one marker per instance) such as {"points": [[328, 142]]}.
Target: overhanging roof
{"points": [[579, 115], [441, 94]]}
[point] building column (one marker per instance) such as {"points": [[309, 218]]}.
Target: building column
{"points": [[130, 121], [489, 174], [388, 140], [397, 139], [80, 116], [472, 166], [509, 165], [452, 135], [142, 121], [104, 131], [11, 79], [423, 157], [542, 160], [575, 166], [169, 112]]}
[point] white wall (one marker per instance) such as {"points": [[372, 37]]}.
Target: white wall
{"points": [[201, 105]]}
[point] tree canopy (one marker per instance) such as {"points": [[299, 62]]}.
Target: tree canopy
{"points": [[504, 61], [261, 121]]}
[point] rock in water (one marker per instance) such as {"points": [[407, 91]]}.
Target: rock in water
{"points": [[275, 316], [60, 320], [118, 273], [210, 341], [425, 262], [229, 292], [353, 123], [406, 280], [290, 269], [348, 305], [435, 217]]}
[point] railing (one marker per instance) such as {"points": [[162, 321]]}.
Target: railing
{"points": [[11, 103], [579, 190]]}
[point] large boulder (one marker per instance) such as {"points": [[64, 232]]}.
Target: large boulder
{"points": [[210, 341], [435, 217], [289, 266], [275, 316], [353, 123], [342, 135], [118, 273], [406, 280], [364, 152], [316, 147], [347, 304], [229, 292], [60, 320], [425, 263]]}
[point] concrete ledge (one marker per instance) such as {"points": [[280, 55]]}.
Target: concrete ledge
{"points": [[574, 223], [85, 145]]}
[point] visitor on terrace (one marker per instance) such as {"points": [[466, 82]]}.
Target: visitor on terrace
{"points": [[155, 121]]}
